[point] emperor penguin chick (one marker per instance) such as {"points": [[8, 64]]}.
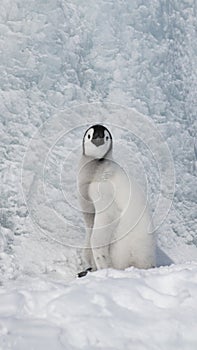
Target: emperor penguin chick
{"points": [[119, 232]]}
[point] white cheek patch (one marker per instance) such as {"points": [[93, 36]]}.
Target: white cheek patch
{"points": [[89, 133], [106, 135]]}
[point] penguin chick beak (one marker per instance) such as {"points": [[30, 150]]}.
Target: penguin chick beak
{"points": [[98, 141]]}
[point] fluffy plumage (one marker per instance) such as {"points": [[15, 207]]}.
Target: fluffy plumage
{"points": [[118, 224]]}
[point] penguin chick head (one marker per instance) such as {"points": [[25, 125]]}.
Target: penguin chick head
{"points": [[97, 142]]}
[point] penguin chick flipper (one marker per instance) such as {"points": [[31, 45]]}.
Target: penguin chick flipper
{"points": [[84, 273]]}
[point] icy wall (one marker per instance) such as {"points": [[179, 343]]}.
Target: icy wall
{"points": [[57, 54]]}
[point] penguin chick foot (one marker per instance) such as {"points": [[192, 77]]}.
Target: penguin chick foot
{"points": [[84, 273]]}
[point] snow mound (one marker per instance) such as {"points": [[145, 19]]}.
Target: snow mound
{"points": [[108, 309]]}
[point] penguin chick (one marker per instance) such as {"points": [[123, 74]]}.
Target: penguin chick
{"points": [[118, 223]]}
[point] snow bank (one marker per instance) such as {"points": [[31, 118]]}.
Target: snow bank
{"points": [[155, 309]]}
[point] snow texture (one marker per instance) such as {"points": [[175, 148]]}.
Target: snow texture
{"points": [[65, 65], [133, 309]]}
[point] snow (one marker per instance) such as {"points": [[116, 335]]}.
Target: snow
{"points": [[154, 309], [65, 65]]}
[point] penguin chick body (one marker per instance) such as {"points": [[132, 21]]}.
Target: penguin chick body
{"points": [[118, 223]]}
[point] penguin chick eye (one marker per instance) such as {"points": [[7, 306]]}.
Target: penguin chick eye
{"points": [[89, 136], [107, 138]]}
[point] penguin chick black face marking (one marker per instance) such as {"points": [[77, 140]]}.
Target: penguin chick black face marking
{"points": [[97, 142]]}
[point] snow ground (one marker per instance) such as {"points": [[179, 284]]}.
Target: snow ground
{"points": [[65, 65], [155, 309]]}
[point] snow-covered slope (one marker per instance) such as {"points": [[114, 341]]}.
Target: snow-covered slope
{"points": [[65, 65], [155, 309]]}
